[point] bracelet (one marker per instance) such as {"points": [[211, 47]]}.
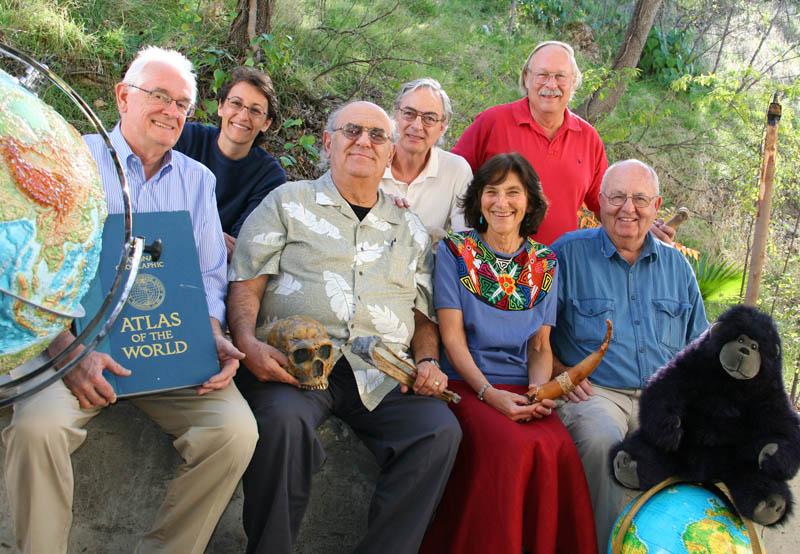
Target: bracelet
{"points": [[434, 361], [483, 390]]}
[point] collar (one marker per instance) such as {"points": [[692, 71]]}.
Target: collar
{"points": [[431, 168], [608, 249], [128, 157], [522, 116], [326, 194]]}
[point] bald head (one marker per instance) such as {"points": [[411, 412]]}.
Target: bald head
{"points": [[361, 158]]}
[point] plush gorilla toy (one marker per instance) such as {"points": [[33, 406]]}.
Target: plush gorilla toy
{"points": [[718, 411]]}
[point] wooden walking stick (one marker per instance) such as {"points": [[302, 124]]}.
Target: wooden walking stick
{"points": [[764, 202]]}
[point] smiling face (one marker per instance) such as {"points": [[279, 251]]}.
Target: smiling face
{"points": [[359, 158], [503, 206], [627, 225], [150, 127], [239, 126], [548, 96], [414, 137]]}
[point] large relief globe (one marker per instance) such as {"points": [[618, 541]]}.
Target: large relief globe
{"points": [[52, 210]]}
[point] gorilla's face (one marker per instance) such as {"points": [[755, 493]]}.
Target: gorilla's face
{"points": [[740, 358]]}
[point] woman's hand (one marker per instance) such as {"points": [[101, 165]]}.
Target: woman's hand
{"points": [[514, 406], [543, 408]]}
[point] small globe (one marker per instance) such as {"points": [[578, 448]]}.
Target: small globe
{"points": [[683, 518], [52, 209]]}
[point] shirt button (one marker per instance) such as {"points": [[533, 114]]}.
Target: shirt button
{"points": [[361, 273], [633, 297], [641, 349], [636, 322]]}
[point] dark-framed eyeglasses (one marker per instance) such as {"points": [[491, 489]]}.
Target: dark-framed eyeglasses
{"points": [[543, 77], [236, 103], [619, 199], [351, 131], [429, 119], [185, 107]]}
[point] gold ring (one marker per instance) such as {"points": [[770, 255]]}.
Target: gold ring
{"points": [[437, 383]]}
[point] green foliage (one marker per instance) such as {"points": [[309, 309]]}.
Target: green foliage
{"points": [[667, 56], [549, 13], [718, 279], [298, 142]]}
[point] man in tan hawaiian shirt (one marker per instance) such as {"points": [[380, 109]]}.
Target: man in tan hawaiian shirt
{"points": [[338, 250]]}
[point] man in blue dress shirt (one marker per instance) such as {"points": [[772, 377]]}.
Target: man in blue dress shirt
{"points": [[214, 430], [647, 289]]}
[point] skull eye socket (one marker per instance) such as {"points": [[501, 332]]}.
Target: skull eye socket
{"points": [[324, 351], [301, 355]]}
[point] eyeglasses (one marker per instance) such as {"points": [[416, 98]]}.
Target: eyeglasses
{"points": [[429, 119], [619, 199], [185, 107], [543, 77], [351, 131], [237, 104]]}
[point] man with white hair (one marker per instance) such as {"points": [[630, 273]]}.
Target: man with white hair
{"points": [[565, 150], [647, 289], [431, 179], [339, 250], [214, 430]]}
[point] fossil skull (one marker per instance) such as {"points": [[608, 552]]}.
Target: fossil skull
{"points": [[308, 347]]}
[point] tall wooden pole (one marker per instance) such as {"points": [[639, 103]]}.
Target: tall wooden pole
{"points": [[764, 202]]}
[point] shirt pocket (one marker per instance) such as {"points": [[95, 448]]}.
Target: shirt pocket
{"points": [[671, 320], [590, 318], [402, 266]]}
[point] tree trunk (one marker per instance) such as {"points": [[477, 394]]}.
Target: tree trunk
{"points": [[604, 99], [253, 18]]}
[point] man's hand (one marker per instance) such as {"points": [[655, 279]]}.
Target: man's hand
{"points": [[229, 357], [230, 244], [399, 201], [582, 392], [87, 384], [430, 380], [543, 408], [268, 363], [662, 231]]}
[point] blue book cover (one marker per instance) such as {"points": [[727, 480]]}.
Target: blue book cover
{"points": [[163, 334]]}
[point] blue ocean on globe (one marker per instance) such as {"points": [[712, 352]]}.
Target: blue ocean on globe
{"points": [[684, 518]]}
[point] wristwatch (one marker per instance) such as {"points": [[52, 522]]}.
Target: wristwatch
{"points": [[434, 361]]}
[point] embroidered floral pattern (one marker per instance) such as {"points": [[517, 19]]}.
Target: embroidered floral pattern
{"points": [[520, 285]]}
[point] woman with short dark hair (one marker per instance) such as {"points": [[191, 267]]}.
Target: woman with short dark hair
{"points": [[518, 481]]}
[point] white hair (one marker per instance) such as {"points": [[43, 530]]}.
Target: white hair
{"points": [[151, 54], [577, 76], [434, 86], [639, 163]]}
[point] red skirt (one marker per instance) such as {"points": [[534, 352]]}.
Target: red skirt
{"points": [[513, 486]]}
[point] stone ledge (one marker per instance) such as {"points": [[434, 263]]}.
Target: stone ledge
{"points": [[125, 445], [124, 465]]}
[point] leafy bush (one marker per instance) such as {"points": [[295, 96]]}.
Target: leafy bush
{"points": [[667, 56]]}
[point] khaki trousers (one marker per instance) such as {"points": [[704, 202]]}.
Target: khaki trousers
{"points": [[596, 425], [215, 434]]}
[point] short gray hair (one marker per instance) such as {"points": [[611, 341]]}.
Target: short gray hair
{"points": [[152, 54], [330, 126], [577, 76], [429, 83], [632, 161]]}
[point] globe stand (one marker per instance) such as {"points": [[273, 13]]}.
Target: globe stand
{"points": [[34, 375], [719, 488]]}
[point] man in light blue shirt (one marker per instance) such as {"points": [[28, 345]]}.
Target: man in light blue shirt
{"points": [[647, 289], [214, 430]]}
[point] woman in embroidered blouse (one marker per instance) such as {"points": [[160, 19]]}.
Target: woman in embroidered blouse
{"points": [[518, 481]]}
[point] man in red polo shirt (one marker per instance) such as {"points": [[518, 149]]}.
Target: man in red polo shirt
{"points": [[565, 150]]}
